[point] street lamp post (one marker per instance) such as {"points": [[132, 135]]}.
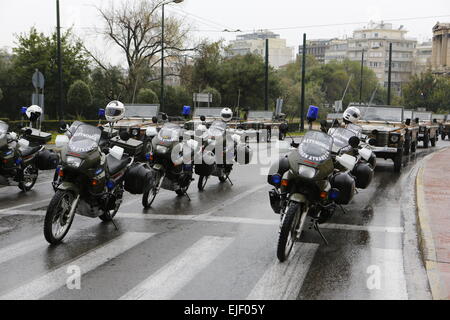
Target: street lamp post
{"points": [[60, 73], [162, 52]]}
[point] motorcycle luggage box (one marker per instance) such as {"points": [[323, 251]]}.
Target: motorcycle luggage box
{"points": [[132, 147], [47, 160], [138, 178], [345, 183], [244, 154], [204, 170], [363, 174], [37, 137]]}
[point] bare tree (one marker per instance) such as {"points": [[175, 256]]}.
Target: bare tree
{"points": [[135, 27]]}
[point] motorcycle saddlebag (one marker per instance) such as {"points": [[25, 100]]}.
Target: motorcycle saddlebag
{"points": [[244, 154], [138, 178], [363, 174], [47, 160], [345, 183], [204, 169]]}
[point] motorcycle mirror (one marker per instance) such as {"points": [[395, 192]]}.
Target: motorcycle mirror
{"points": [[203, 118], [408, 122], [417, 120], [155, 120], [28, 132], [295, 144], [125, 136], [354, 142]]}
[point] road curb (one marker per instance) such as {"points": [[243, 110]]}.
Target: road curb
{"points": [[426, 240]]}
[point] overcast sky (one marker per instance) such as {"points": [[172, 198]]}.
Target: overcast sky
{"points": [[289, 18]]}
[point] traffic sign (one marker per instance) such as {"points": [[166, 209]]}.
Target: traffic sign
{"points": [[38, 80]]}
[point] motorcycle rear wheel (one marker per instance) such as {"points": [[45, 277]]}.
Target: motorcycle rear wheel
{"points": [[57, 220], [28, 182], [292, 224]]}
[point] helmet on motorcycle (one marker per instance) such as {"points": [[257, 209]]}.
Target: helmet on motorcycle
{"points": [[114, 111], [351, 115], [33, 112], [226, 114]]}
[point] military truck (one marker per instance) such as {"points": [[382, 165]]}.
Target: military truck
{"points": [[428, 128], [445, 132], [440, 119], [412, 132], [386, 132]]}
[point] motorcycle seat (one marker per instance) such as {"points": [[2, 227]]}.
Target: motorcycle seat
{"points": [[25, 152], [114, 165]]}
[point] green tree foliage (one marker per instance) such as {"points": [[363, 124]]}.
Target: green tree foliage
{"points": [[1, 94], [37, 51], [217, 97], [147, 96], [176, 97], [107, 85], [428, 91], [79, 99]]}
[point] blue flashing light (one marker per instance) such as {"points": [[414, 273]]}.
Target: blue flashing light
{"points": [[276, 179], [333, 194], [98, 171], [101, 112], [313, 113], [110, 184], [186, 110], [148, 156], [58, 169], [23, 110]]}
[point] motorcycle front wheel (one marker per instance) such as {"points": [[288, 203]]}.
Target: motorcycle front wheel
{"points": [[202, 180], [30, 175], [58, 218], [292, 224], [149, 195]]}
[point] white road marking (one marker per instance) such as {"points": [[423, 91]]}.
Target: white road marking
{"points": [[11, 209], [22, 248], [55, 279], [283, 281], [362, 228], [393, 282], [172, 277]]}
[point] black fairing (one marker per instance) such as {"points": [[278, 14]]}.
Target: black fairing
{"points": [[346, 186], [363, 174]]}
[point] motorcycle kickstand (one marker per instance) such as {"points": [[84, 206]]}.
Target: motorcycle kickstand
{"points": [[316, 227], [189, 198], [112, 220], [343, 210], [231, 182]]}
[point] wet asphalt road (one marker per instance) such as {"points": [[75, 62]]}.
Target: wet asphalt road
{"points": [[219, 245]]}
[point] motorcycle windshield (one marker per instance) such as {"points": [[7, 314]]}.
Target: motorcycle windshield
{"points": [[217, 129], [341, 137], [3, 128], [170, 133], [316, 146], [85, 139], [74, 127], [357, 130]]}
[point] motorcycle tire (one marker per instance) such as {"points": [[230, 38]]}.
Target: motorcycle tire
{"points": [[24, 186], [54, 213], [288, 233], [202, 180]]}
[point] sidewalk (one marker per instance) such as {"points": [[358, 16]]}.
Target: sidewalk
{"points": [[433, 203]]}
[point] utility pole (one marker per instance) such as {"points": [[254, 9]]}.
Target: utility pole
{"points": [[266, 78], [362, 76], [60, 72], [161, 108], [389, 75], [302, 100]]}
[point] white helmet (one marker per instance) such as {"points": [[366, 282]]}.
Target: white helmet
{"points": [[226, 114], [114, 111], [351, 115], [33, 112]]}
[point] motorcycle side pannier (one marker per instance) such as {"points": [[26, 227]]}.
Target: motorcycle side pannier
{"points": [[244, 154], [346, 186], [363, 174], [47, 160], [137, 179], [204, 169]]}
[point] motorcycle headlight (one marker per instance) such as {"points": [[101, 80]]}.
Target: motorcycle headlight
{"points": [[161, 149], [395, 138], [74, 162], [306, 172]]}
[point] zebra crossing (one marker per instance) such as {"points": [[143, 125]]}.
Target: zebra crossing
{"points": [[278, 281]]}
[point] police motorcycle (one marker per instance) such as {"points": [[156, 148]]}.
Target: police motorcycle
{"points": [[22, 156], [171, 162], [308, 187], [91, 184], [219, 150]]}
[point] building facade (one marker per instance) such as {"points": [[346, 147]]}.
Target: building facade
{"points": [[337, 51], [374, 40], [422, 58], [316, 48], [441, 49], [279, 53]]}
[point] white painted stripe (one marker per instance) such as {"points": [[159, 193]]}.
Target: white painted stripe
{"points": [[172, 277], [238, 220], [362, 228], [5, 210], [57, 278], [22, 248], [393, 283], [283, 281]]}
